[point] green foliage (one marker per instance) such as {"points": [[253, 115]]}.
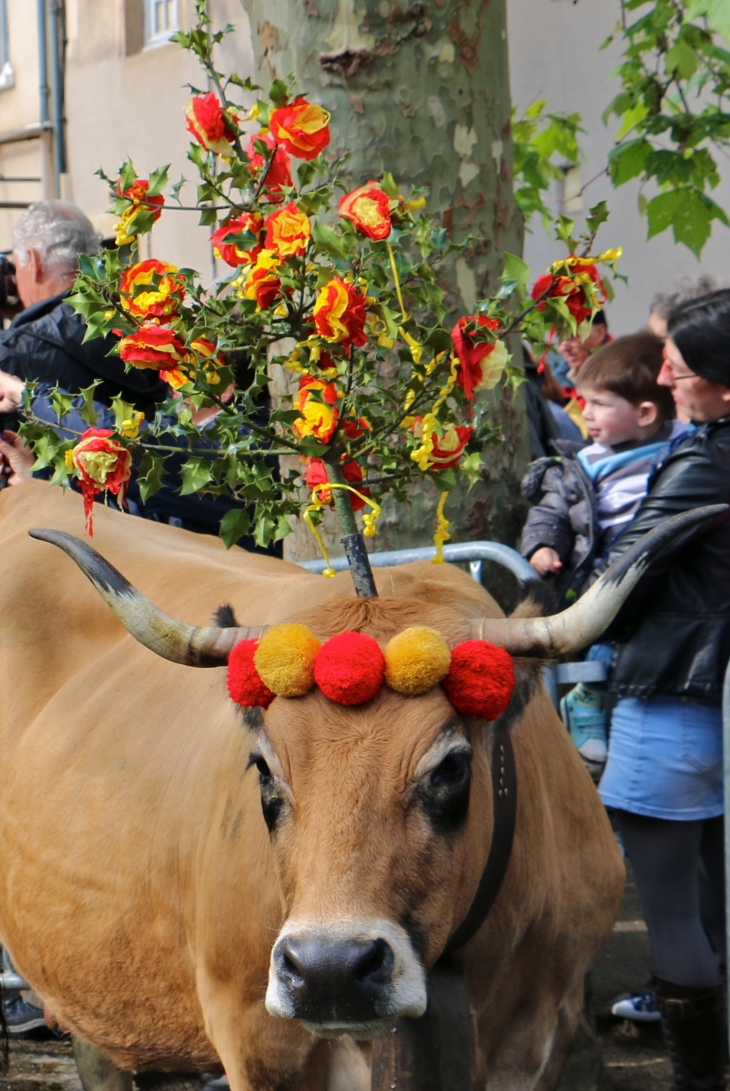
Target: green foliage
{"points": [[351, 310], [674, 118]]}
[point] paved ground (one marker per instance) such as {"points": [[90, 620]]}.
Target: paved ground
{"points": [[634, 1058]]}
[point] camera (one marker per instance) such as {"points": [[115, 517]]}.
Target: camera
{"points": [[8, 287]]}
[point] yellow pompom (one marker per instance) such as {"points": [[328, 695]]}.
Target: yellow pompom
{"points": [[284, 659], [415, 660]]}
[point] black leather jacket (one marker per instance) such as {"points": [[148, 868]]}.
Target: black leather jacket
{"points": [[673, 634]]}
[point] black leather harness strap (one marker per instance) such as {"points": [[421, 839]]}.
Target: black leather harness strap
{"points": [[504, 809]]}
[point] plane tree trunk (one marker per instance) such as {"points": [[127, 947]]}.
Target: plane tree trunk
{"points": [[423, 92]]}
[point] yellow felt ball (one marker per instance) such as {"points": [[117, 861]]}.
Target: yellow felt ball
{"points": [[284, 659], [415, 660]]}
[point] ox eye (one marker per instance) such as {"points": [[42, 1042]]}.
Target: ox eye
{"points": [[444, 795], [271, 801]]}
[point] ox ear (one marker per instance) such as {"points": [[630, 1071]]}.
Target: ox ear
{"points": [[528, 676]]}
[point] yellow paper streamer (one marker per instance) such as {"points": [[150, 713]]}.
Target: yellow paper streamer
{"points": [[442, 531], [369, 518], [394, 270]]}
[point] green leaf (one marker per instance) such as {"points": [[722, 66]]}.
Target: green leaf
{"points": [[195, 475], [87, 411], [235, 525], [122, 411], [127, 175], [597, 216], [631, 117], [328, 239], [688, 213], [149, 477], [627, 160], [515, 269], [158, 181], [279, 93], [388, 185], [717, 12], [681, 60]]}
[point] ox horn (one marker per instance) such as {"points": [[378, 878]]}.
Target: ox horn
{"points": [[193, 645], [584, 622]]}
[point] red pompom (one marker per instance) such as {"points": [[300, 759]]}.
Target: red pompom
{"points": [[480, 680], [244, 685], [350, 668]]}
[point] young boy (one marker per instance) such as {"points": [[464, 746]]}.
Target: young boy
{"points": [[585, 496]]}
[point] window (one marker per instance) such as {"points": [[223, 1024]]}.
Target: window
{"points": [[161, 20], [7, 76]]}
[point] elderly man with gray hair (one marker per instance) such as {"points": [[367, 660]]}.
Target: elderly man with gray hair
{"points": [[45, 342]]}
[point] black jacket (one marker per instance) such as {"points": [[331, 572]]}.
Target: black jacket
{"points": [[44, 342], [673, 633]]}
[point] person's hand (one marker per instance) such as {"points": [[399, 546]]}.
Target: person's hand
{"points": [[545, 560], [574, 352], [18, 457], [11, 392]]}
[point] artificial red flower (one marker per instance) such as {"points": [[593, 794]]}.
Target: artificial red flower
{"points": [[473, 375], [210, 125], [136, 193], [316, 474], [233, 253], [339, 313], [288, 231], [302, 127], [156, 347], [448, 447], [368, 208], [279, 171], [319, 418], [101, 463], [161, 300], [577, 281]]}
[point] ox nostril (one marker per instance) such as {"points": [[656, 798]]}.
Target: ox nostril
{"points": [[376, 963], [335, 982]]}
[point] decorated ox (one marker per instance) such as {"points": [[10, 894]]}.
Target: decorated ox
{"points": [[183, 883]]}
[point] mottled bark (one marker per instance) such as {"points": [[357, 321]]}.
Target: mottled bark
{"points": [[421, 91]]}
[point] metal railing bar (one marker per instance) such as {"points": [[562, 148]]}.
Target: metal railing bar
{"points": [[460, 551]]}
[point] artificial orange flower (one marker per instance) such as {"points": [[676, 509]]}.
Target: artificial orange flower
{"points": [[339, 313], [101, 463], [278, 173], [368, 208], [233, 253], [577, 281], [262, 283], [288, 231], [319, 417], [137, 194], [316, 474], [474, 373], [210, 125], [161, 300], [302, 127]]}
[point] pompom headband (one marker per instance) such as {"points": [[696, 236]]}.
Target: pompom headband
{"points": [[351, 668]]}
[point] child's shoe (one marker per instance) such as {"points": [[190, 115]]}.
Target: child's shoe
{"points": [[583, 712]]}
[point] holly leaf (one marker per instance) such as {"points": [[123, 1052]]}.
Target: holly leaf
{"points": [[158, 181], [195, 475], [279, 93], [86, 410], [149, 477], [235, 524], [328, 239], [127, 175], [515, 269]]}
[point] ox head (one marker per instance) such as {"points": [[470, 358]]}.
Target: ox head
{"points": [[379, 815]]}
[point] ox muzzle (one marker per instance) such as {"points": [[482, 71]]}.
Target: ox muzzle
{"points": [[345, 978]]}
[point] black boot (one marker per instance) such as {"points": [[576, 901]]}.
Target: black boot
{"points": [[694, 1026]]}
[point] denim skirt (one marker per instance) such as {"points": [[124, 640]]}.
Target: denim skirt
{"points": [[665, 758]]}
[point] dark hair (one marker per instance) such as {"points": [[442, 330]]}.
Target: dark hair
{"points": [[700, 328], [629, 367], [599, 319]]}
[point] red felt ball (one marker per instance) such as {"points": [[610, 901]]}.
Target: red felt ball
{"points": [[350, 668], [244, 685], [480, 680]]}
